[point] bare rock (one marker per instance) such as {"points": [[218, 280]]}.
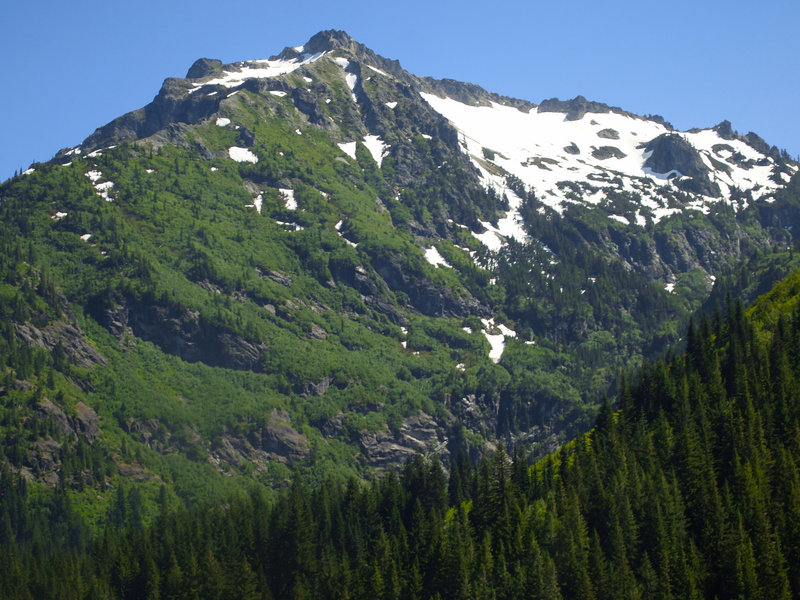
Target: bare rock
{"points": [[87, 422], [79, 350], [418, 434]]}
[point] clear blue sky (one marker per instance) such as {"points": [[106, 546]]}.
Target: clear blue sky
{"points": [[70, 67]]}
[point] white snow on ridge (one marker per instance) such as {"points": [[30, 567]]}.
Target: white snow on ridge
{"points": [[278, 93], [757, 176], [259, 69], [433, 257], [242, 155], [376, 147], [533, 146], [377, 70], [348, 148]]}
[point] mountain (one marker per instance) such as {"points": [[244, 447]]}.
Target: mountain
{"points": [[322, 263], [689, 489]]}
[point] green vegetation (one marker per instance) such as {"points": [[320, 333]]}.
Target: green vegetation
{"points": [[689, 490]]}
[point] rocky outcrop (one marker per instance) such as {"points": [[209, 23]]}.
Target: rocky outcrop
{"points": [[417, 435], [605, 152], [172, 106], [182, 334], [69, 336], [276, 441], [423, 294], [671, 154], [577, 107], [204, 67]]}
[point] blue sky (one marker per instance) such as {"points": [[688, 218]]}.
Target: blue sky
{"points": [[70, 67]]}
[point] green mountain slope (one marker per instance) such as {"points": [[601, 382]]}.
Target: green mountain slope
{"points": [[233, 283], [690, 489]]}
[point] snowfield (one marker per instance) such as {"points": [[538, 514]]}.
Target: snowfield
{"points": [[601, 151]]}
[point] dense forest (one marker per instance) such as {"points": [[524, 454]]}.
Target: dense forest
{"points": [[689, 489]]}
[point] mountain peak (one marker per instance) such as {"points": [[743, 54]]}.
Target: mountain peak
{"points": [[324, 41], [203, 67]]}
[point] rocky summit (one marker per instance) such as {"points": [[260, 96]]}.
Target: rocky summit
{"points": [[321, 262]]}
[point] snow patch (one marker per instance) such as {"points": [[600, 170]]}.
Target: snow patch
{"points": [[86, 236], [391, 105], [352, 80], [28, 171], [670, 287], [433, 257], [258, 69], [223, 121], [377, 70], [377, 148], [294, 226], [257, 202], [58, 216], [288, 196], [242, 155], [510, 226], [348, 148], [620, 218], [338, 228], [497, 341], [278, 93]]}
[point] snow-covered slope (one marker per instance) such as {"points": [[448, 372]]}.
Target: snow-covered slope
{"points": [[599, 152]]}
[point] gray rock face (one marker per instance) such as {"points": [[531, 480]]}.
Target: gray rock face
{"points": [[423, 294], [203, 67], [604, 152], [172, 106], [670, 152], [184, 335], [417, 435], [85, 423], [575, 108], [72, 339], [277, 441]]}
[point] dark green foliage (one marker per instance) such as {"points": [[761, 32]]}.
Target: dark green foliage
{"points": [[690, 490]]}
